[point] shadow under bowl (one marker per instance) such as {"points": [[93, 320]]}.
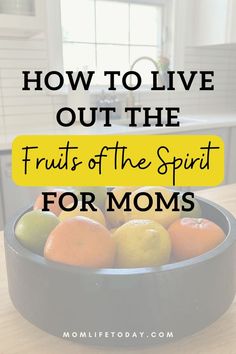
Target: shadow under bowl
{"points": [[164, 303]]}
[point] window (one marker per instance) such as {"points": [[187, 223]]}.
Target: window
{"points": [[110, 34]]}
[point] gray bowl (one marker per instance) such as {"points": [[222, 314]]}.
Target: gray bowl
{"points": [[165, 303]]}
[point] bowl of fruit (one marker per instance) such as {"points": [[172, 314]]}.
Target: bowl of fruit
{"points": [[123, 277]]}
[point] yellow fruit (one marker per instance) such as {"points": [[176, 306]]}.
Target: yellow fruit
{"points": [[164, 217], [117, 217], [141, 243], [112, 231], [94, 215]]}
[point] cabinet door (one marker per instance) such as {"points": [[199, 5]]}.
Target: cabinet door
{"points": [[232, 21], [1, 209], [14, 198], [210, 22], [23, 24], [232, 158]]}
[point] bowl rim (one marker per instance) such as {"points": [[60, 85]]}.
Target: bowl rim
{"points": [[21, 251]]}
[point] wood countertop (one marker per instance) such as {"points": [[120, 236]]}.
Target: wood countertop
{"points": [[18, 336]]}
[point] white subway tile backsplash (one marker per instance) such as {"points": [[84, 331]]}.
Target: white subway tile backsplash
{"points": [[23, 44], [24, 110], [12, 83], [1, 104], [17, 92], [23, 54], [28, 110], [10, 73], [24, 101], [23, 64]]}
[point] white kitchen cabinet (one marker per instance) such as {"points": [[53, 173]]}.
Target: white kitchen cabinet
{"points": [[232, 156], [232, 22], [1, 211], [22, 25], [213, 22]]}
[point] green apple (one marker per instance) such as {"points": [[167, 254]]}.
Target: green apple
{"points": [[33, 229], [99, 192]]}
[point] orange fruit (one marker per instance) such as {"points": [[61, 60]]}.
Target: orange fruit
{"points": [[117, 217], [192, 237], [81, 241], [54, 208], [91, 214], [164, 217]]}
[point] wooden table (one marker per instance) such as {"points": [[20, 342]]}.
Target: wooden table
{"points": [[17, 336]]}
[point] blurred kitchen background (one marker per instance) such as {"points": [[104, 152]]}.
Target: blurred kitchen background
{"points": [[112, 34]]}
